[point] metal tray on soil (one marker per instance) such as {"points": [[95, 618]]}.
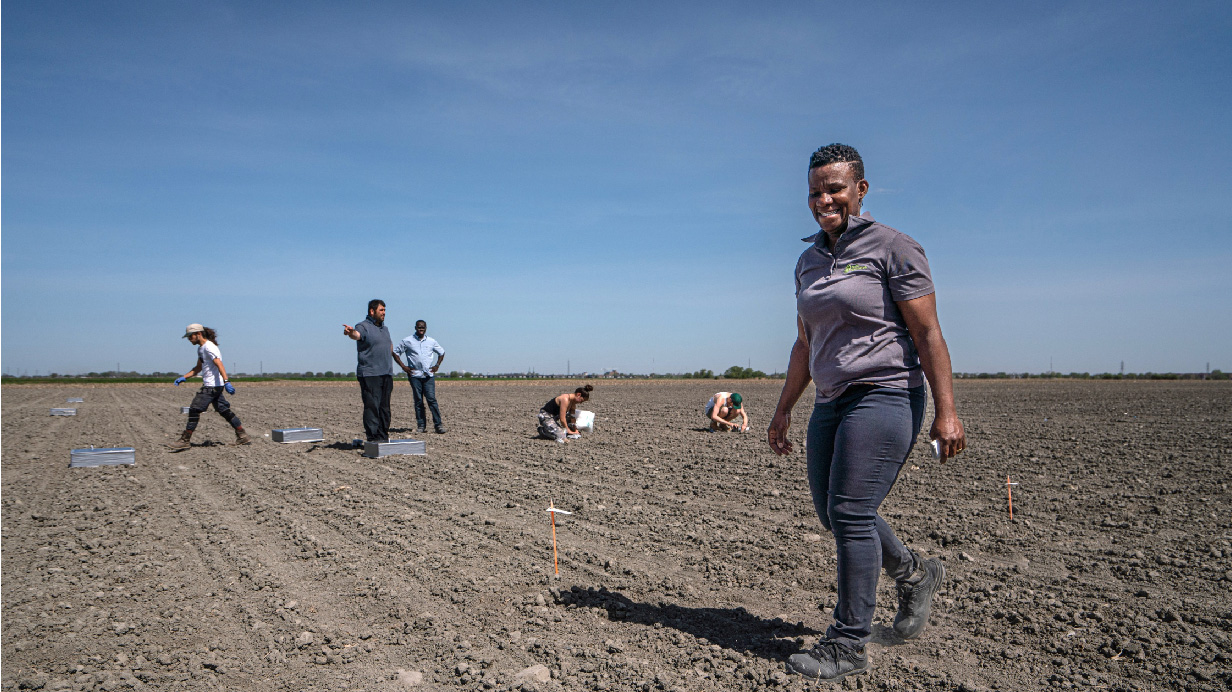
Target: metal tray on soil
{"points": [[74, 400], [384, 449], [102, 456], [185, 409], [63, 411], [288, 435]]}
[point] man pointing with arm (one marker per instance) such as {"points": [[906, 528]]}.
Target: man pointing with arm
{"points": [[374, 369]]}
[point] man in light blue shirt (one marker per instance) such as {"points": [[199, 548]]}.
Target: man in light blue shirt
{"points": [[420, 351]]}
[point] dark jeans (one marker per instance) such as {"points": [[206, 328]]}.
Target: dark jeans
{"points": [[202, 400], [376, 392], [425, 388], [856, 446]]}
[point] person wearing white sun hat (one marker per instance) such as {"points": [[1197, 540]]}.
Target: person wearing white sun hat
{"points": [[214, 382]]}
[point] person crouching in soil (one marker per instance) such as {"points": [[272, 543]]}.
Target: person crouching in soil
{"points": [[722, 410], [213, 384], [556, 418]]}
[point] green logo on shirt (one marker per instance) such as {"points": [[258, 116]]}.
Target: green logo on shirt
{"points": [[855, 268]]}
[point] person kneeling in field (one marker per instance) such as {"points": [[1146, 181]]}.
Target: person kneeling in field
{"points": [[556, 418], [722, 410], [213, 384]]}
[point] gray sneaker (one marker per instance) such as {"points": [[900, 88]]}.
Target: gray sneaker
{"points": [[829, 661], [915, 599]]}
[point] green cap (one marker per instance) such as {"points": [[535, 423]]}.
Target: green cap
{"points": [[735, 400]]}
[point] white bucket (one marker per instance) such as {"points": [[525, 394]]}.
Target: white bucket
{"points": [[585, 421]]}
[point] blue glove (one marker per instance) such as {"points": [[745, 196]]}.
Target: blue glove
{"points": [[229, 387], [179, 380]]}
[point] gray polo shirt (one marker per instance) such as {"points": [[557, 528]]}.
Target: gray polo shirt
{"points": [[846, 300], [374, 348]]}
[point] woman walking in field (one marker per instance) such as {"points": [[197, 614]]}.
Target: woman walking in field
{"points": [[213, 384], [556, 418], [868, 337]]}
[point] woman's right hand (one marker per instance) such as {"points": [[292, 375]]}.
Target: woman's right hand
{"points": [[776, 434], [948, 431]]}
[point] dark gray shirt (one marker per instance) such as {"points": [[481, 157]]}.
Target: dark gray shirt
{"points": [[846, 299], [374, 348]]}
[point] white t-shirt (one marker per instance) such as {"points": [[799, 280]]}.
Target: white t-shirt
{"points": [[710, 404], [207, 352]]}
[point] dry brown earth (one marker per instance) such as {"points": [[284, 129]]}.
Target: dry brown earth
{"points": [[692, 561]]}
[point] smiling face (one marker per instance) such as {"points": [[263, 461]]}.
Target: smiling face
{"points": [[835, 195], [421, 328]]}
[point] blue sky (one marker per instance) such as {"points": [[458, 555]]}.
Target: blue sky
{"points": [[617, 185]]}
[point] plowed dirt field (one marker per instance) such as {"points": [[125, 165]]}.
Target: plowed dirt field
{"points": [[692, 561]]}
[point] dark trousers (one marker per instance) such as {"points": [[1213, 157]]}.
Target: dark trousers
{"points": [[424, 389], [376, 392], [856, 446], [201, 402]]}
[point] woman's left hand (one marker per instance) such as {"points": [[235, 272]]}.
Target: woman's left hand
{"points": [[948, 431]]}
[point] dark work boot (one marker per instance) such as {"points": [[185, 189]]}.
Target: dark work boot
{"points": [[829, 661], [915, 598], [184, 442], [241, 437]]}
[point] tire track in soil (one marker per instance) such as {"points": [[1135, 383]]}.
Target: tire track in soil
{"points": [[227, 473], [105, 489], [349, 564], [221, 563], [236, 549], [232, 653]]}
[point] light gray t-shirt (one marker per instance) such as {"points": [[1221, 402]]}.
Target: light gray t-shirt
{"points": [[846, 300]]}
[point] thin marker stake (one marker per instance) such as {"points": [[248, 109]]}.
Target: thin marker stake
{"points": [[1009, 494], [552, 511]]}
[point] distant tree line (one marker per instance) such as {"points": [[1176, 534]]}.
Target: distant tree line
{"points": [[1213, 375], [735, 372]]}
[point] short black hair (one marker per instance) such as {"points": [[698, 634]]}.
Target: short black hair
{"points": [[372, 304], [838, 153], [419, 322]]}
